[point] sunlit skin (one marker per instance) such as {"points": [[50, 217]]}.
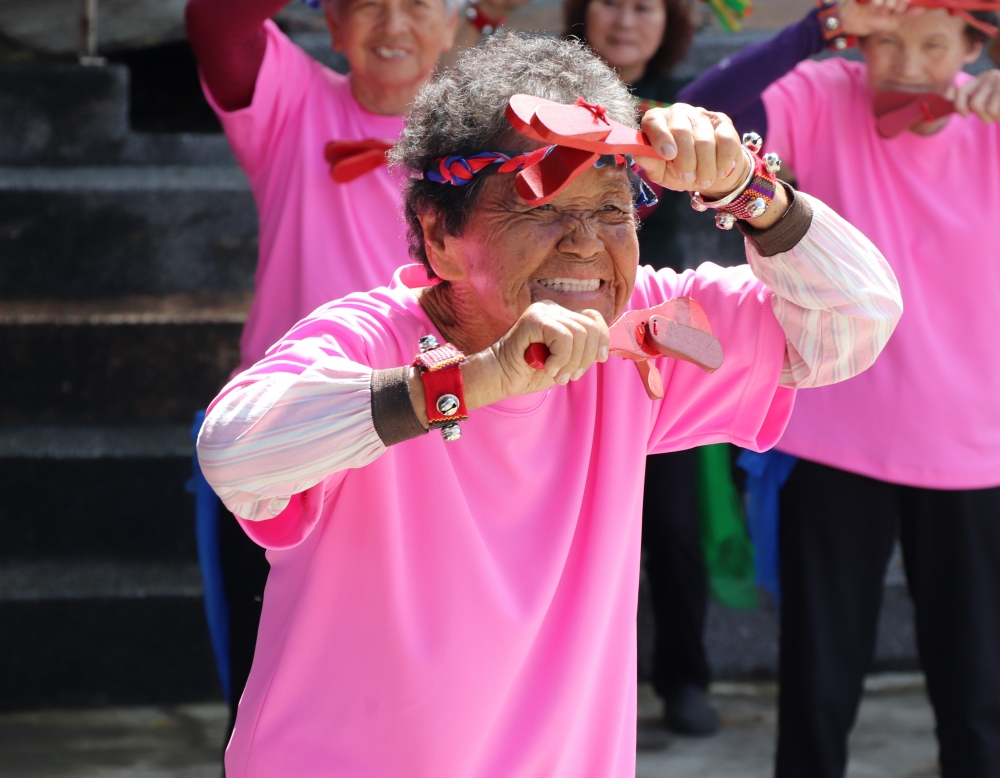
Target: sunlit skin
{"points": [[626, 33], [508, 276], [393, 47]]}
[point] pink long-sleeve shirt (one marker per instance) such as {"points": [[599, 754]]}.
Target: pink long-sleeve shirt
{"points": [[927, 414], [467, 609]]}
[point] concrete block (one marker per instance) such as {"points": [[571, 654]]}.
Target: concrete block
{"points": [[98, 231], [105, 651], [121, 374], [64, 511], [67, 112]]}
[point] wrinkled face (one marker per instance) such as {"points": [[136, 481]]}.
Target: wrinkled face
{"points": [[580, 250], [626, 33], [924, 54], [390, 42]]}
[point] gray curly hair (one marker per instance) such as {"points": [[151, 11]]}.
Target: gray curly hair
{"points": [[462, 112]]}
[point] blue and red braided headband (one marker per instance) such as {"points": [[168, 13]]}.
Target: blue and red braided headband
{"points": [[459, 170]]}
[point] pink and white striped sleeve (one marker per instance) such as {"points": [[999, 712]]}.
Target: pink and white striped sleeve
{"points": [[835, 297], [266, 440]]}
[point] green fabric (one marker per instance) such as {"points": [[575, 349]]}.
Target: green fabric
{"points": [[724, 538]]}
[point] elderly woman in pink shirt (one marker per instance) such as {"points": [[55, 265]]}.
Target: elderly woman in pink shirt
{"points": [[445, 605]]}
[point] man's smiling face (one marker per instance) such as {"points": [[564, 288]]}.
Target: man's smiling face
{"points": [[580, 250]]}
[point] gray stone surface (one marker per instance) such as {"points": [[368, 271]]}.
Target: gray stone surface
{"points": [[52, 26], [35, 581], [102, 231], [894, 736], [51, 441], [183, 741], [894, 739], [66, 114]]}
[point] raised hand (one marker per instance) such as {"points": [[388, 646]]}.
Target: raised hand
{"points": [[873, 16], [699, 150]]}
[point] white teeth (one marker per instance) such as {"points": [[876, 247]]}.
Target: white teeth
{"points": [[571, 284], [387, 53]]}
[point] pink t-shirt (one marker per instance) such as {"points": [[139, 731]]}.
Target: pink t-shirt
{"points": [[319, 240], [467, 609], [928, 412]]}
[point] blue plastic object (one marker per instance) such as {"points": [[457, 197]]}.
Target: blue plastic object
{"points": [[766, 474], [206, 527]]}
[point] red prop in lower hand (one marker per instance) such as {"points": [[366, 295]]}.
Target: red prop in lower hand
{"points": [[677, 328], [351, 159]]}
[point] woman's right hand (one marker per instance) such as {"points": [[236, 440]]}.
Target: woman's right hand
{"points": [[575, 341], [873, 16]]}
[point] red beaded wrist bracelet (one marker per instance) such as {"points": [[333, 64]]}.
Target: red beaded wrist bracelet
{"points": [[481, 21], [832, 26], [753, 198], [441, 373]]}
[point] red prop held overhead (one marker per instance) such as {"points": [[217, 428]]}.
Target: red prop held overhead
{"points": [[581, 134], [678, 328]]}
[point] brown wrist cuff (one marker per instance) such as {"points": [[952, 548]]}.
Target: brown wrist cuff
{"points": [[392, 410], [789, 230]]}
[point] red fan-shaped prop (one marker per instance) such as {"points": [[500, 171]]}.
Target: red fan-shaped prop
{"points": [[581, 133], [678, 328]]}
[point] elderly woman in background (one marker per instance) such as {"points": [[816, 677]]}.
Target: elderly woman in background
{"points": [[442, 607]]}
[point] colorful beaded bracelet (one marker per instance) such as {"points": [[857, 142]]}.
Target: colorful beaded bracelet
{"points": [[752, 199]]}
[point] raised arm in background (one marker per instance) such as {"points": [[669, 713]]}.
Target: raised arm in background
{"points": [[229, 41], [734, 86]]}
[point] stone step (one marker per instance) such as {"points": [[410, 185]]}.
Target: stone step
{"points": [[105, 501], [64, 114], [119, 362], [100, 231], [101, 633]]}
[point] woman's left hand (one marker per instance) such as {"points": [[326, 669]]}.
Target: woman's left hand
{"points": [[699, 150]]}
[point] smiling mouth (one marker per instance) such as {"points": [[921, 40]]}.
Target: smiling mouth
{"points": [[571, 284], [387, 52]]}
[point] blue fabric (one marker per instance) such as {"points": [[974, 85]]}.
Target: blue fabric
{"points": [[766, 474], [206, 527]]}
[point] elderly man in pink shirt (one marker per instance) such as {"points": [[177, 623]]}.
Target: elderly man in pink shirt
{"points": [[463, 604], [320, 239]]}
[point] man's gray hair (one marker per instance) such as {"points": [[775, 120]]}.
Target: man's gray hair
{"points": [[462, 112]]}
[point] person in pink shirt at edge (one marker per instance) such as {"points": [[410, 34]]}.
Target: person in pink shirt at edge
{"points": [[463, 604], [911, 448], [319, 239]]}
